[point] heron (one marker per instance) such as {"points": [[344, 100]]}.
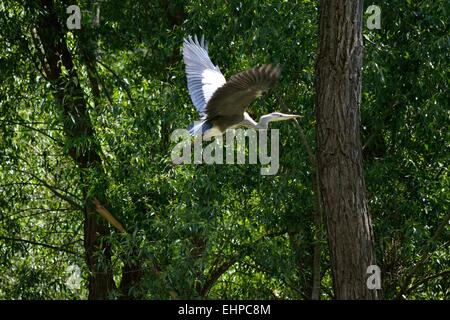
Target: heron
{"points": [[222, 104]]}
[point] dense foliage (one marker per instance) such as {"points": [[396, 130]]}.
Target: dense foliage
{"points": [[221, 231]]}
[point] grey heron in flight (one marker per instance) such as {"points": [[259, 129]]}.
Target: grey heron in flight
{"points": [[220, 103]]}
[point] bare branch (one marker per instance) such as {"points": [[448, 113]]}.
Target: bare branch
{"points": [[107, 215], [39, 244]]}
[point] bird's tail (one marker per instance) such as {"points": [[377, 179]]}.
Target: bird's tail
{"points": [[199, 127]]}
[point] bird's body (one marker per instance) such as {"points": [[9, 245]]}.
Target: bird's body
{"points": [[222, 103]]}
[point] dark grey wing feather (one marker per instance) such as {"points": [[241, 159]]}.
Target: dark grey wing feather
{"points": [[237, 93]]}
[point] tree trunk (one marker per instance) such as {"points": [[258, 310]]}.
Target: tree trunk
{"points": [[49, 35], [339, 153]]}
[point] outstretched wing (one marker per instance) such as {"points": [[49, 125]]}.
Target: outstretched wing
{"points": [[202, 76], [242, 88]]}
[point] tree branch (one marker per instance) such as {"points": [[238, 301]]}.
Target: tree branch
{"points": [[37, 130], [108, 216], [426, 279], [53, 189], [425, 256], [216, 273], [39, 244]]}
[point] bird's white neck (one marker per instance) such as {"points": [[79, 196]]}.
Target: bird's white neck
{"points": [[249, 122], [264, 121], [262, 124]]}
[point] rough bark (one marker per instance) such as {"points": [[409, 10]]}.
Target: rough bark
{"points": [[339, 152]]}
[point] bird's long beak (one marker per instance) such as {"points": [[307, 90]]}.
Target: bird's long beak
{"points": [[291, 116]]}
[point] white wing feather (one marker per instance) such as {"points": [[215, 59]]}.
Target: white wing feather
{"points": [[202, 76]]}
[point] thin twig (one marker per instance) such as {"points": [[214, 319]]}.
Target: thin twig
{"points": [[39, 244]]}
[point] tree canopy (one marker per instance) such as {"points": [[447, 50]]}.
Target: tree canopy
{"points": [[86, 115]]}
